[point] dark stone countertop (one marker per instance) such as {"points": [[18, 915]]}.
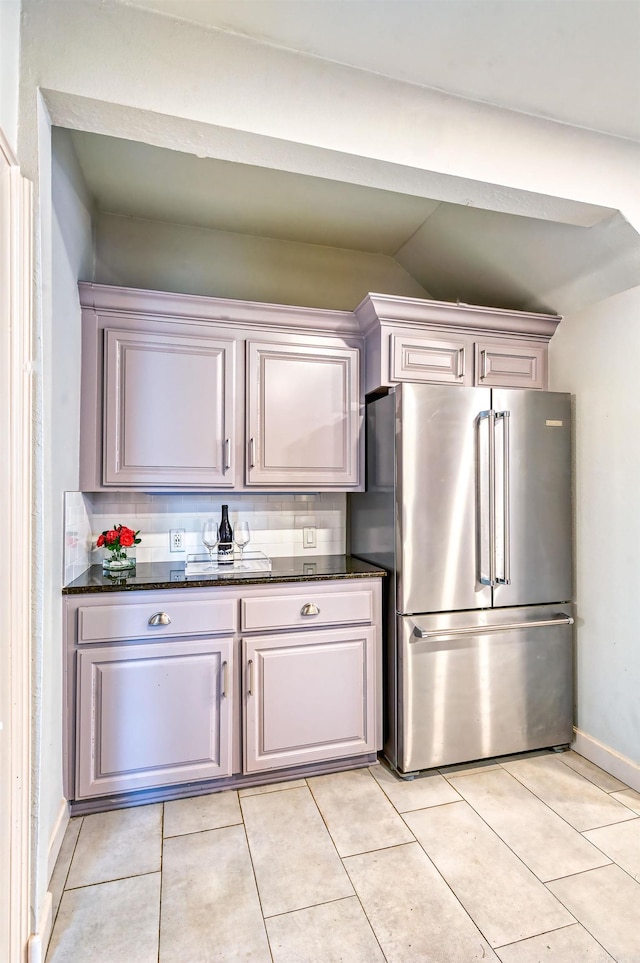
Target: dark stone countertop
{"points": [[171, 575]]}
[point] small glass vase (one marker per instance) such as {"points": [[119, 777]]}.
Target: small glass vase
{"points": [[119, 559]]}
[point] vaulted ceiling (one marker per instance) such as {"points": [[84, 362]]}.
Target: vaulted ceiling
{"points": [[536, 56]]}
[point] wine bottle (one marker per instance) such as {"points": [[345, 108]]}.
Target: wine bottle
{"points": [[225, 545]]}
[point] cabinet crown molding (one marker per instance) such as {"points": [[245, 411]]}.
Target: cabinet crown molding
{"points": [[375, 309], [372, 310], [193, 307]]}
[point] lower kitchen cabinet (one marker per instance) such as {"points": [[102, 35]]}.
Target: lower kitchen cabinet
{"points": [[309, 697], [152, 715], [169, 689]]}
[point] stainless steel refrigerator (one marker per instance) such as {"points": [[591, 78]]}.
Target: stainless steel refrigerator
{"points": [[468, 507]]}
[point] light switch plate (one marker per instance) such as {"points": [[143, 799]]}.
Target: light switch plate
{"points": [[309, 539]]}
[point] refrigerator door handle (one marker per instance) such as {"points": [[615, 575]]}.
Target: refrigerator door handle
{"points": [[491, 423], [506, 511], [419, 633]]}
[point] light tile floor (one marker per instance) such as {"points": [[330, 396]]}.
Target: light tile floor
{"points": [[523, 859]]}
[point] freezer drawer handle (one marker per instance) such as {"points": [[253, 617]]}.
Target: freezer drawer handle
{"points": [[483, 629]]}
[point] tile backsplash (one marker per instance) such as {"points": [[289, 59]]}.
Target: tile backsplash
{"points": [[78, 535], [276, 523]]}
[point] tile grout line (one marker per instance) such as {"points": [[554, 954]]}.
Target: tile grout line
{"points": [[66, 876], [436, 869], [446, 883], [253, 870], [612, 862], [519, 858], [346, 871], [302, 909], [584, 925], [196, 832], [564, 819], [608, 791], [545, 883], [558, 929], [116, 879], [492, 830], [161, 877], [618, 822]]}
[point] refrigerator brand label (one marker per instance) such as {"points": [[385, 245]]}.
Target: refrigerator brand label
{"points": [[553, 424]]}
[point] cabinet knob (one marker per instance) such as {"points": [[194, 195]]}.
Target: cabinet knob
{"points": [[160, 618], [310, 609]]}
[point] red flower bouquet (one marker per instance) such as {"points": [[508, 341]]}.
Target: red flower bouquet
{"points": [[116, 541]]}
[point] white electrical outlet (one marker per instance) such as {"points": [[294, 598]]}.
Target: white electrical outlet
{"points": [[309, 537], [176, 540]]}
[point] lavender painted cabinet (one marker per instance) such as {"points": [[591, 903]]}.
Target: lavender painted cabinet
{"points": [[152, 714], [231, 682], [434, 360], [303, 415], [185, 393], [168, 409], [505, 364], [411, 339], [309, 697]]}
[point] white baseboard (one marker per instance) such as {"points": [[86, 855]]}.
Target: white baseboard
{"points": [[608, 759], [57, 835], [39, 942]]}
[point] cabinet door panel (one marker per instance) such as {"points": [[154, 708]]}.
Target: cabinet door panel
{"points": [[152, 715], [428, 359], [505, 364], [168, 412], [309, 697], [303, 416]]}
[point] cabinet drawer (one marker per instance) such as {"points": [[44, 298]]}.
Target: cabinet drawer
{"points": [[427, 359], [115, 623], [294, 611]]}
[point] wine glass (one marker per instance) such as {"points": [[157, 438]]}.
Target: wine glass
{"points": [[242, 537], [210, 537]]}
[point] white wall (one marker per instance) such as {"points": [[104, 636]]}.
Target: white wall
{"points": [[129, 73], [595, 355], [71, 257], [173, 257], [9, 69]]}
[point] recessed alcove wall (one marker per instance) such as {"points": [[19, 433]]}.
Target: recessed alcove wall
{"points": [[276, 522]]}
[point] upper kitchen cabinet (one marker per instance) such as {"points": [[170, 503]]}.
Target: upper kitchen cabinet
{"points": [[303, 416], [185, 393], [438, 342], [168, 409]]}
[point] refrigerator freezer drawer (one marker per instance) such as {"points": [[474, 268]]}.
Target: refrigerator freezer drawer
{"points": [[471, 695]]}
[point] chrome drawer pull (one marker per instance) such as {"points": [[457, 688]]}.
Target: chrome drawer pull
{"points": [[160, 618], [310, 609], [225, 679]]}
